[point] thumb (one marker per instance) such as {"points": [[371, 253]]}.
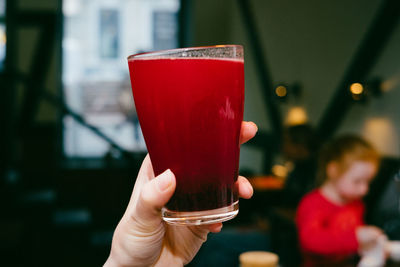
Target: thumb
{"points": [[154, 195]]}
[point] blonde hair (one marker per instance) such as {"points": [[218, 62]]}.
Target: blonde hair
{"points": [[345, 150]]}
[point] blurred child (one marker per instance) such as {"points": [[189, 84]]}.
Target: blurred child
{"points": [[330, 219]]}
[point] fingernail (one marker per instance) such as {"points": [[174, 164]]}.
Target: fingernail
{"points": [[248, 191], [164, 180], [255, 126], [218, 228]]}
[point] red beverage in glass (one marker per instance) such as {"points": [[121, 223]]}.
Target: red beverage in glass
{"points": [[190, 111]]}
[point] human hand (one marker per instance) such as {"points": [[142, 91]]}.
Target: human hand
{"points": [[368, 236], [142, 238]]}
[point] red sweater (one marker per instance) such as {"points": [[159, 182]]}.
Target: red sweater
{"points": [[327, 230]]}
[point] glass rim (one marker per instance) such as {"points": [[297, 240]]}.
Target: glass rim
{"points": [[166, 52]]}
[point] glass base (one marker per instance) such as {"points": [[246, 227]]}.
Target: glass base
{"points": [[201, 217]]}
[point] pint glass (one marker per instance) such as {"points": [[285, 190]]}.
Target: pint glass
{"points": [[190, 107]]}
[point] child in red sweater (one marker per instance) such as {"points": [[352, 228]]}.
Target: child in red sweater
{"points": [[330, 219]]}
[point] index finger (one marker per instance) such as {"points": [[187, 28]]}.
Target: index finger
{"points": [[248, 131]]}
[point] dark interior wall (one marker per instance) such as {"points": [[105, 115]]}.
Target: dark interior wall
{"points": [[211, 22], [313, 44]]}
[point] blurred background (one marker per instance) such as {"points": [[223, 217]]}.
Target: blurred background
{"points": [[71, 143]]}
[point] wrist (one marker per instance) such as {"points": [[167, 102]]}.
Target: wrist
{"points": [[118, 260], [168, 259], [111, 262]]}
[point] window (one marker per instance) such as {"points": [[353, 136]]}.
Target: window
{"points": [[98, 38]]}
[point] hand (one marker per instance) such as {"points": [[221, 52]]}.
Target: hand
{"points": [[368, 236], [142, 238]]}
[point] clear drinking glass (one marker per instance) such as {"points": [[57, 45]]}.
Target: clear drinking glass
{"points": [[190, 106]]}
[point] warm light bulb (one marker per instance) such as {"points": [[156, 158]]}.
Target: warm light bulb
{"points": [[281, 91], [356, 88], [296, 116], [381, 132], [279, 170]]}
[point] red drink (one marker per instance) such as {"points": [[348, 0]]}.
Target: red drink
{"points": [[190, 111]]}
